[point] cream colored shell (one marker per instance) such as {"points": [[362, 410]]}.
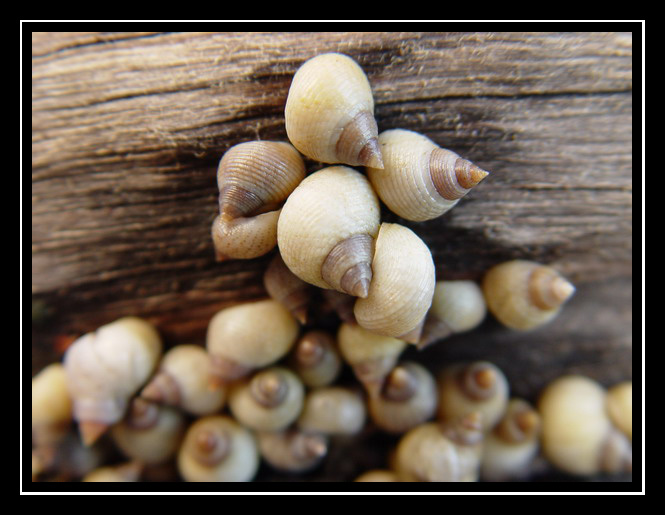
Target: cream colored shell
{"points": [[316, 359], [370, 355], [234, 447], [524, 295], [280, 401], [377, 476], [105, 368], [292, 450], [578, 436], [185, 380], [478, 387], [420, 181], [51, 405], [329, 112], [402, 286], [620, 407], [125, 473], [330, 209], [253, 177], [332, 410], [250, 335]]}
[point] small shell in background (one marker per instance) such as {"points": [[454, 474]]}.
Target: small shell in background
{"points": [[377, 476], [249, 336], [216, 448], [408, 398], [150, 433], [402, 287], [106, 368], [510, 448], [457, 306], [51, 405], [253, 178], [478, 387], [126, 473], [316, 359], [420, 180], [329, 112], [270, 401], [326, 230], [286, 288], [292, 450], [332, 410], [578, 436], [434, 452], [524, 295], [341, 304], [185, 380], [620, 407], [370, 355]]}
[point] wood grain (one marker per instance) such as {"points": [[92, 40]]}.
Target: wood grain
{"points": [[128, 129]]}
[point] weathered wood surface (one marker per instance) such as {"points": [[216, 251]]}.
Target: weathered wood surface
{"points": [[128, 129]]}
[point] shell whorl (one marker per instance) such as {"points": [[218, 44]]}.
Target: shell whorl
{"points": [[329, 112], [402, 287], [288, 289], [326, 229], [268, 388], [420, 180], [162, 388]]}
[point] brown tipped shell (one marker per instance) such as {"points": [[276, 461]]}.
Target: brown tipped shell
{"points": [[408, 398], [292, 450], [217, 448], [372, 356], [420, 181], [524, 295], [51, 405], [577, 433], [326, 230], [105, 368], [249, 336], [329, 112], [286, 288], [428, 453], [510, 448], [620, 407], [253, 178], [332, 411], [478, 387], [340, 303], [402, 287], [270, 401], [316, 359], [150, 433], [457, 306], [185, 380]]}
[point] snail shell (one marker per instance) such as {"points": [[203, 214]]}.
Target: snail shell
{"points": [[332, 410], [372, 356], [185, 380], [253, 178], [105, 368], [523, 295], [292, 450], [478, 387], [402, 287], [326, 230], [457, 306], [578, 436], [270, 401], [420, 180], [149, 433], [51, 405], [340, 303], [329, 112], [238, 344], [286, 288], [316, 359], [509, 449], [216, 448], [441, 453], [408, 398], [620, 407]]}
